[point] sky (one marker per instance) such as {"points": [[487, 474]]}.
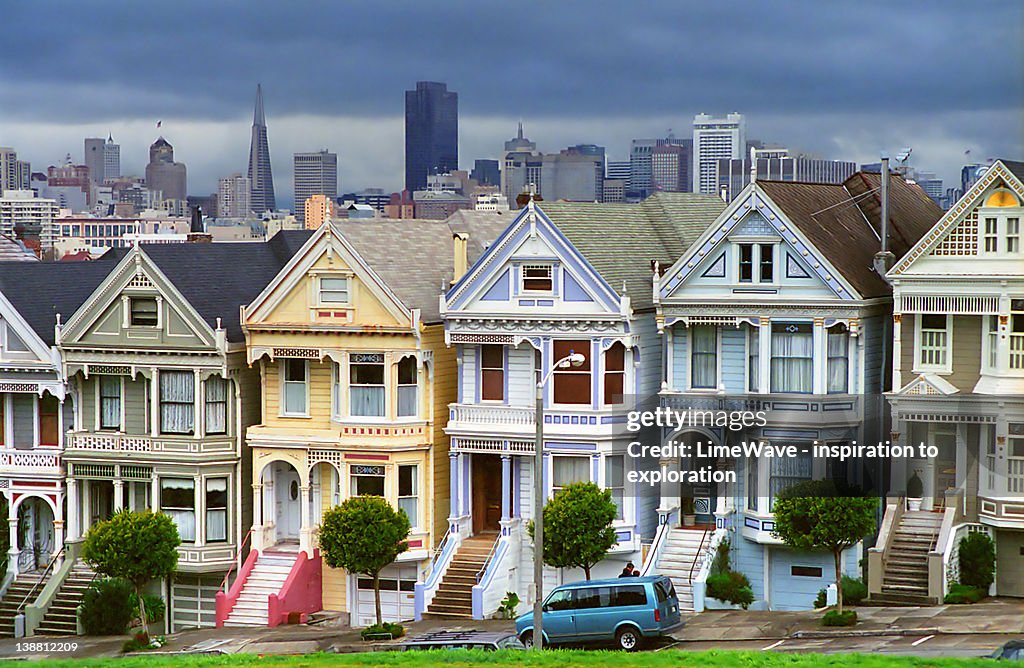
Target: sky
{"points": [[841, 80]]}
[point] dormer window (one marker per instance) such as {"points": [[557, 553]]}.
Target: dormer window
{"points": [[538, 278], [143, 311], [756, 263]]}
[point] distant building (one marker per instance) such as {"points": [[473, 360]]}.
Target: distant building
{"points": [[163, 174], [113, 232], [103, 158], [456, 181], [317, 210], [714, 139], [233, 193], [261, 178], [431, 205], [275, 223], [25, 216], [641, 166], [401, 206], [490, 202], [70, 185], [375, 197], [615, 190], [670, 168], [618, 169], [520, 166], [353, 210], [314, 174], [575, 174], [778, 165], [486, 172], [431, 132], [206, 203], [14, 174]]}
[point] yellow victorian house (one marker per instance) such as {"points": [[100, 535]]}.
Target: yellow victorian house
{"points": [[356, 379]]}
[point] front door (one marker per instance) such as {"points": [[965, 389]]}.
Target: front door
{"points": [[486, 493], [101, 500], [1010, 563], [286, 490]]}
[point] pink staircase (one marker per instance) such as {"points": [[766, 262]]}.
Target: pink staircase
{"points": [[272, 588]]}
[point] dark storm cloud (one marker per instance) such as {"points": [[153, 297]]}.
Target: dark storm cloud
{"points": [[197, 59]]}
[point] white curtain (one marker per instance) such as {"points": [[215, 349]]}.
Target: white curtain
{"points": [[792, 359], [177, 499], [177, 402], [614, 479], [568, 470], [367, 401], [705, 356], [787, 471], [838, 361], [216, 406], [408, 489], [110, 402], [216, 509]]}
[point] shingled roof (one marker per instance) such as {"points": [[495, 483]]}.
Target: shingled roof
{"points": [[843, 221]]}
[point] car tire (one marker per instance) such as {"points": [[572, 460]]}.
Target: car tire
{"points": [[628, 638], [527, 639]]}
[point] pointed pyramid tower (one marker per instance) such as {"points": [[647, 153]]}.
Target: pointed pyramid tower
{"points": [[260, 176]]}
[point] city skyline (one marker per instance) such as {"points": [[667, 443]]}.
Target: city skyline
{"points": [[835, 102]]}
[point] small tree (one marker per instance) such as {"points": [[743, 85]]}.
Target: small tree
{"points": [[813, 515], [578, 526], [364, 535], [136, 546]]}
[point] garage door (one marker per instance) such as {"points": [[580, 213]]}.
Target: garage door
{"points": [[397, 596], [1010, 563], [193, 601]]}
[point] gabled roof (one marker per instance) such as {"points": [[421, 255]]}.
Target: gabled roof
{"points": [[14, 251], [1014, 166]]}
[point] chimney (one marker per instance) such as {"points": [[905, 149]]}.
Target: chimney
{"points": [[884, 258], [460, 241], [197, 233]]}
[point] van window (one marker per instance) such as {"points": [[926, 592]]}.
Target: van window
{"points": [[630, 595], [593, 597], [559, 600]]}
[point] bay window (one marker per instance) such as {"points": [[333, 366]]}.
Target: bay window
{"points": [[408, 492], [216, 405], [296, 386], [366, 385], [572, 383], [792, 358], [788, 471], [567, 470], [753, 358], [838, 360], [110, 402], [216, 510], [492, 372], [704, 357], [614, 374], [615, 480], [752, 484], [408, 405], [178, 500], [933, 342], [177, 402]]}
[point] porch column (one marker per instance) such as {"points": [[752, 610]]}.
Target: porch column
{"points": [[200, 510], [464, 493], [764, 356], [453, 482], [669, 369], [58, 539], [820, 360], [671, 500], [506, 486], [12, 533], [154, 402], [305, 543], [897, 350], [86, 506], [118, 495], [257, 516], [74, 509], [154, 504], [198, 417]]}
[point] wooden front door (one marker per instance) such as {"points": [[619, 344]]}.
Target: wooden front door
{"points": [[49, 422], [486, 493]]}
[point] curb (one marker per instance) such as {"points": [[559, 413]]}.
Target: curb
{"points": [[865, 633]]}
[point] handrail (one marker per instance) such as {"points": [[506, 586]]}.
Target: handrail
{"points": [[487, 562], [655, 552], [42, 577], [438, 553], [238, 556], [697, 556]]}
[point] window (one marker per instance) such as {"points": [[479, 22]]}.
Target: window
{"points": [[1013, 235], [704, 357], [492, 372], [753, 358], [572, 384], [567, 470], [366, 384], [216, 510], [49, 420], [408, 491], [788, 471], [367, 480], [407, 394], [593, 597], [296, 384], [761, 256], [838, 360], [767, 263], [992, 340], [143, 311], [752, 486], [178, 500], [334, 290], [629, 595], [792, 362], [1017, 334], [991, 235], [559, 600], [933, 342], [177, 402], [746, 263], [538, 278], [615, 480], [110, 402], [805, 571], [216, 405], [614, 374]]}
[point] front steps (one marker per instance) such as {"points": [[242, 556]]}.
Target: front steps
{"points": [[681, 555], [61, 618], [905, 579], [454, 597], [16, 593], [266, 578]]}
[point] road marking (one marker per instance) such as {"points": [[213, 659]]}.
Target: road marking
{"points": [[772, 646], [668, 646], [924, 639]]}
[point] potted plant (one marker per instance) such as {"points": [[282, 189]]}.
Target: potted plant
{"points": [[915, 493], [689, 512]]}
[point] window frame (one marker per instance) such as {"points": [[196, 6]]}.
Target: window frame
{"points": [[772, 357], [226, 401], [617, 374], [694, 353], [100, 398], [162, 402], [947, 365], [557, 374], [764, 253], [357, 473], [283, 409], [321, 290], [183, 509], [620, 504], [407, 359], [549, 266], [132, 300], [830, 359], [588, 478], [753, 359], [225, 509], [354, 360], [492, 371], [413, 494]]}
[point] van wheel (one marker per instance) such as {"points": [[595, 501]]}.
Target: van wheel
{"points": [[527, 639], [628, 639]]}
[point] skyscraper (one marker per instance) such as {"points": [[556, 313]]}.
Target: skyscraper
{"points": [[261, 179], [713, 139], [163, 174], [776, 164], [103, 158], [431, 132], [14, 174], [314, 174], [233, 196]]}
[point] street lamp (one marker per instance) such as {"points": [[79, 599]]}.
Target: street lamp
{"points": [[573, 359]]}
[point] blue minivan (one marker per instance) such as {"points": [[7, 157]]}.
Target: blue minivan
{"points": [[626, 610]]}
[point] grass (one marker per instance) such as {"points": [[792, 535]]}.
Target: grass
{"points": [[546, 659]]}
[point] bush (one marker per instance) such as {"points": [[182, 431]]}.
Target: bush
{"points": [[142, 641], [977, 561], [155, 607], [854, 592], [721, 563], [959, 593], [732, 587], [106, 608], [370, 632], [836, 618]]}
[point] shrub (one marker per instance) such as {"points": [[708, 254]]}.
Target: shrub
{"points": [[106, 607], [721, 563], [959, 593], [507, 608], [142, 641], [854, 591], [155, 607], [977, 561], [836, 618], [395, 630], [732, 587]]}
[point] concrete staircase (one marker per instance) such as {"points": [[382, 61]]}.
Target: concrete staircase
{"points": [[682, 553], [266, 578], [905, 580], [61, 617], [454, 597], [16, 593]]}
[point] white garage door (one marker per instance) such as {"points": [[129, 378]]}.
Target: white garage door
{"points": [[397, 596], [193, 601]]}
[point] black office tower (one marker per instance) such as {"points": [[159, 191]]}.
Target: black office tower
{"points": [[431, 133]]}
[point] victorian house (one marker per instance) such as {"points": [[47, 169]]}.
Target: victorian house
{"points": [[162, 392], [958, 387], [356, 380], [561, 279], [776, 308]]}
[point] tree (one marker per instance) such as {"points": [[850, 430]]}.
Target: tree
{"points": [[364, 535], [816, 515], [578, 526], [136, 546]]}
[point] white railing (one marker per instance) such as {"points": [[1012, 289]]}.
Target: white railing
{"points": [[101, 442], [519, 416], [1017, 351], [424, 591], [488, 592], [30, 459], [523, 418], [699, 583], [109, 442], [951, 551], [654, 554], [491, 445]]}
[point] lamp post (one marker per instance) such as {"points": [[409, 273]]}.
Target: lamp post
{"points": [[573, 359]]}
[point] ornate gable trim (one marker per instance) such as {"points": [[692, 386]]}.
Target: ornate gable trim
{"points": [[928, 384]]}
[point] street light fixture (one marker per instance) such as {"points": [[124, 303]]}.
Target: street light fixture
{"points": [[573, 359]]}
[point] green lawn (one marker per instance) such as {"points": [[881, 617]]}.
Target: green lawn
{"points": [[547, 659]]}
